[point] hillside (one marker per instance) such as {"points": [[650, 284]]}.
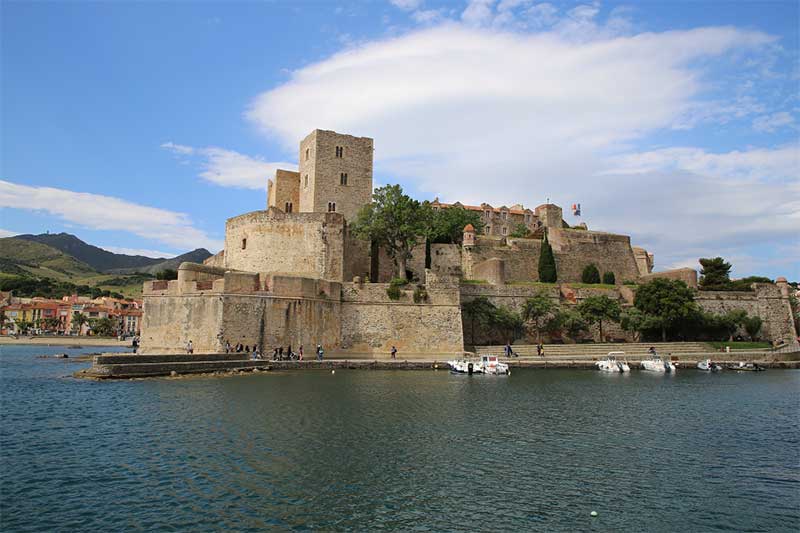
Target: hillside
{"points": [[22, 257], [195, 256], [105, 261]]}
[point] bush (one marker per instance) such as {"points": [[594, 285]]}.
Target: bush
{"points": [[547, 263], [590, 274], [629, 283], [420, 295], [609, 278], [394, 291]]}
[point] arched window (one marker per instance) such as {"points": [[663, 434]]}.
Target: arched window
{"points": [[331, 207], [308, 152], [244, 244], [288, 207], [343, 178], [339, 152]]}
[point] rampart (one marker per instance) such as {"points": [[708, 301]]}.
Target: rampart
{"points": [[298, 244]]}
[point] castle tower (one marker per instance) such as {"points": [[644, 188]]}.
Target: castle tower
{"points": [[469, 235], [335, 173], [550, 215]]}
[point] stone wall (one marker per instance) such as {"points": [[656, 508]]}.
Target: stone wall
{"points": [[372, 323], [300, 244], [686, 275], [284, 191], [446, 259], [574, 249], [321, 170], [520, 257]]}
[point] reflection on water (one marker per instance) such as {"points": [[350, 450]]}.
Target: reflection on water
{"points": [[372, 450]]}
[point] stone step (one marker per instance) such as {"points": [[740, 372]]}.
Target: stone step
{"points": [[114, 359]]}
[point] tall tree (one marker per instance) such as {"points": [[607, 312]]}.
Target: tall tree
{"points": [[447, 225], [396, 222], [547, 263], [590, 274], [595, 309], [752, 326], [715, 273], [571, 322], [538, 311], [665, 302]]}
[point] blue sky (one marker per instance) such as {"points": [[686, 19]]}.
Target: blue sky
{"points": [[143, 126]]}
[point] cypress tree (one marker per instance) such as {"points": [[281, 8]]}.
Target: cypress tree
{"points": [[547, 263], [609, 278], [590, 274]]}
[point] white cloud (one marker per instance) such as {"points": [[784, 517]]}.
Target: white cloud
{"points": [[478, 12], [137, 251], [108, 213], [406, 5], [229, 168], [458, 110], [6, 233], [773, 122]]}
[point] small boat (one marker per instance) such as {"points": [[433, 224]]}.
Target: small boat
{"points": [[708, 366], [747, 367], [612, 364], [656, 364], [488, 364]]}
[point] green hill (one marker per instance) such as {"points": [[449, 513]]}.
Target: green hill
{"points": [[105, 261], [21, 257]]}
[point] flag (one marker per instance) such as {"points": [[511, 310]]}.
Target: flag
{"points": [[576, 209]]}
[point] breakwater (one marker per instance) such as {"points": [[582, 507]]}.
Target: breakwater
{"points": [[115, 366]]}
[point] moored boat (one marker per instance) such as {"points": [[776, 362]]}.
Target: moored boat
{"points": [[708, 366], [656, 364], [612, 364], [488, 364]]}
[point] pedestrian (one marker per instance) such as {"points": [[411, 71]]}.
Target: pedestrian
{"points": [[189, 347], [247, 348], [319, 352], [289, 353], [135, 344], [280, 353], [275, 354], [508, 349], [227, 346], [538, 349], [300, 353], [394, 352]]}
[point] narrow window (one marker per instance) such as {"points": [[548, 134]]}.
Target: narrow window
{"points": [[331, 207], [488, 213], [488, 230], [244, 244], [305, 181], [505, 215], [339, 151], [343, 178], [308, 151], [505, 229], [288, 207]]}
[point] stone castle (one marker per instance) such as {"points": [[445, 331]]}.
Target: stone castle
{"points": [[294, 274]]}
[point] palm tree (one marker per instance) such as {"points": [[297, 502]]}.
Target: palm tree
{"points": [[80, 319]]}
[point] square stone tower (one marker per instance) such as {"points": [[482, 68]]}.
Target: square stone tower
{"points": [[335, 173]]}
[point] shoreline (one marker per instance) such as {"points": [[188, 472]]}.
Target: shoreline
{"points": [[65, 341]]}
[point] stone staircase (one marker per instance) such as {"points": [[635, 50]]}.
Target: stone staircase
{"points": [[110, 366], [633, 351]]}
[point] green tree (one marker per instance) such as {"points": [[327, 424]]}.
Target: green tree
{"points": [[609, 278], [715, 273], [78, 320], [590, 274], [394, 221], [572, 323], [752, 325], [167, 274], [477, 312], [538, 311], [102, 327], [22, 326], [520, 231], [733, 320], [52, 323], [665, 303], [547, 263], [595, 309], [447, 225], [633, 321]]}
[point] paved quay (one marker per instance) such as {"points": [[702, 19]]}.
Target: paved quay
{"points": [[126, 366]]}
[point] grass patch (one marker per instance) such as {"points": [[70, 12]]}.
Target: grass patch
{"points": [[533, 284], [591, 286], [740, 345]]}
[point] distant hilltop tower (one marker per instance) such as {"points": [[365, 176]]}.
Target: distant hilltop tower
{"points": [[335, 173]]}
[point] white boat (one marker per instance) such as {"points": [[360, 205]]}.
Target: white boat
{"points": [[656, 364], [708, 366], [612, 364], [488, 364]]}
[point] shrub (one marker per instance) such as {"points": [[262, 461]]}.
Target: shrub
{"points": [[590, 274], [629, 283], [609, 278], [394, 291], [420, 295], [547, 263]]}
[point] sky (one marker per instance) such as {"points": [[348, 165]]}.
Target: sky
{"points": [[142, 126]]}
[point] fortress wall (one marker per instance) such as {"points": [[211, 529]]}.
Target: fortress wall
{"points": [[574, 249], [274, 321], [356, 258], [300, 244], [446, 259], [169, 322], [766, 302], [521, 258], [416, 264], [686, 275], [217, 260], [284, 188]]}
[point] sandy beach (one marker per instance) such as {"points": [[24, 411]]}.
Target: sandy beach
{"points": [[65, 341]]}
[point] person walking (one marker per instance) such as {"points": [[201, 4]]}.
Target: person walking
{"points": [[189, 347], [227, 346], [394, 352], [320, 352], [300, 353]]}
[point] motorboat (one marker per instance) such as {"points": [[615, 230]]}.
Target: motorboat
{"points": [[656, 364], [612, 363], [488, 364], [708, 366], [747, 367]]}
